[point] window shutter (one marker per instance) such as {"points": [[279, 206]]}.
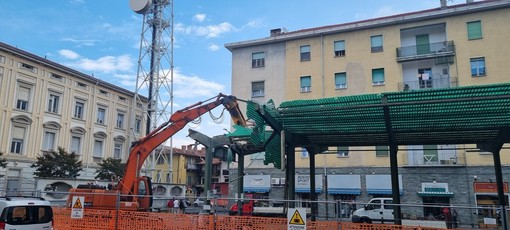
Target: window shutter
{"points": [[340, 79], [474, 30], [258, 55], [376, 41], [378, 75], [24, 93], [305, 49], [306, 82], [18, 133], [339, 45]]}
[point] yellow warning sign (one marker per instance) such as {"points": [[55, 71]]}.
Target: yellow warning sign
{"points": [[296, 219], [77, 204]]}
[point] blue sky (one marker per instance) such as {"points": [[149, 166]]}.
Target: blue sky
{"points": [[102, 37]]}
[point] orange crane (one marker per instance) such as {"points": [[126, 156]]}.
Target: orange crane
{"points": [[135, 191]]}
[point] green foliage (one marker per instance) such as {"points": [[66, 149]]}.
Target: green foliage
{"points": [[110, 168], [57, 164], [3, 161]]}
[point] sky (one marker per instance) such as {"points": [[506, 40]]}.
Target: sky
{"points": [[102, 37]]}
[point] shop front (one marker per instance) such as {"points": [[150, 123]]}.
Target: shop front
{"points": [[487, 202], [303, 188], [345, 189], [257, 185], [435, 196], [380, 185]]}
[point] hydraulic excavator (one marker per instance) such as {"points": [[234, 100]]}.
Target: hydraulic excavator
{"points": [[135, 191]]}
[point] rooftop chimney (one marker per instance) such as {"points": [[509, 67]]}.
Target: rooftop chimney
{"points": [[275, 32], [443, 4]]}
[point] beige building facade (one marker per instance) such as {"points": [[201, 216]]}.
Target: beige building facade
{"points": [[45, 105], [449, 46]]}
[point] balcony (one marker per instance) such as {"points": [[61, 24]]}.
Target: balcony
{"points": [[432, 83], [443, 52], [441, 155], [191, 167]]}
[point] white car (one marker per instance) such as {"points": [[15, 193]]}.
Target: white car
{"points": [[199, 202], [25, 213]]}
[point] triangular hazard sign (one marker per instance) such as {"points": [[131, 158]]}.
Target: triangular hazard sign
{"points": [[77, 204], [297, 219]]}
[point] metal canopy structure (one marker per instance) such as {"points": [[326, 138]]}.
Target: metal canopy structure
{"points": [[462, 115]]}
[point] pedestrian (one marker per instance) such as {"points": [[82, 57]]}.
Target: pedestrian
{"points": [[181, 206], [176, 206], [447, 217], [170, 205], [455, 215]]}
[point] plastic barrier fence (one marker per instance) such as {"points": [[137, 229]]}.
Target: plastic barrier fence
{"points": [[124, 220]]}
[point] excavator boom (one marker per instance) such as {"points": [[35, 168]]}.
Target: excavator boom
{"points": [[142, 148]]}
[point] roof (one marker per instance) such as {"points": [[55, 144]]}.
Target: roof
{"points": [[459, 9], [461, 115]]}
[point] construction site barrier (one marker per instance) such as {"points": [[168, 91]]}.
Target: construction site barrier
{"points": [[130, 220]]}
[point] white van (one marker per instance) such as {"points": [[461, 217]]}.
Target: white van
{"points": [[25, 213], [377, 210]]}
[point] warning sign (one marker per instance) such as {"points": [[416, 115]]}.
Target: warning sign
{"points": [[77, 207], [296, 219]]}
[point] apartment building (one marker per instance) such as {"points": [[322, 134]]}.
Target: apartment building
{"points": [[449, 46], [45, 105]]}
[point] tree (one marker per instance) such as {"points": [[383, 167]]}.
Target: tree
{"points": [[57, 164], [3, 161], [110, 168]]}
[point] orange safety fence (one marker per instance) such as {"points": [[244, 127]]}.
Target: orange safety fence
{"points": [[129, 220]]}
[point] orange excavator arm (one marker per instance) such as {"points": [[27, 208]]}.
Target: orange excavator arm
{"points": [[142, 148]]}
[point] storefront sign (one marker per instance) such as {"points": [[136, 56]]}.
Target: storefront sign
{"points": [[489, 187]]}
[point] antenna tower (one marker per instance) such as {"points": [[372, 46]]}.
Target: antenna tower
{"points": [[154, 77]]}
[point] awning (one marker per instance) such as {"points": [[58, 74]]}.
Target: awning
{"points": [[257, 183], [435, 189], [381, 184], [435, 194], [344, 184], [303, 184]]}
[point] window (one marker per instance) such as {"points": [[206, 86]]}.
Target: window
{"points": [[258, 59], [339, 48], [101, 115], [474, 30], [117, 150], [378, 77], [28, 67], [304, 153], [120, 120], [53, 103], [138, 125], [376, 43], [2, 59], [79, 107], [18, 137], [342, 151], [340, 80], [305, 53], [23, 97], [81, 85], [382, 151], [306, 84], [57, 77], [478, 67], [49, 141], [98, 149], [123, 99], [75, 145], [103, 92], [257, 89]]}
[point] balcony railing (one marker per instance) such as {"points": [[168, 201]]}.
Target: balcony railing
{"points": [[430, 50], [432, 83], [443, 156]]}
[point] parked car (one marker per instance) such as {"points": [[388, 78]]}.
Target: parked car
{"points": [[199, 202], [30, 213]]}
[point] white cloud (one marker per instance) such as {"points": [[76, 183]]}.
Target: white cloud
{"points": [[213, 47], [257, 23], [126, 80], [69, 54], [386, 11], [106, 64], [81, 42], [199, 17], [194, 86], [210, 31]]}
